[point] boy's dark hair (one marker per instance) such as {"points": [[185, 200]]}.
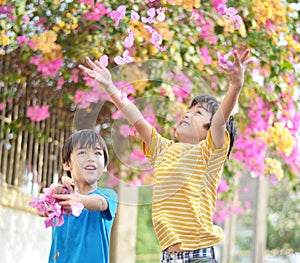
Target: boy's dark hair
{"points": [[210, 104], [85, 139]]}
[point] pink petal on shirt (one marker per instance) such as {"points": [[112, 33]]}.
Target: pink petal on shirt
{"points": [[77, 209]]}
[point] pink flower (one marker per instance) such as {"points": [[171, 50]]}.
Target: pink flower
{"points": [[217, 3], [37, 113], [22, 40], [137, 156], [112, 180], [96, 11], [85, 98], [247, 204], [49, 68], [126, 130], [151, 14], [125, 59], [117, 115], [118, 14], [25, 18], [48, 206], [230, 11], [60, 82], [161, 14], [41, 21], [2, 105], [207, 59], [183, 86], [156, 38], [230, 14], [75, 75], [223, 186], [221, 9]]}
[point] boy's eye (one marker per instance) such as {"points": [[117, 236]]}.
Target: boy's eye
{"points": [[99, 153], [199, 112], [81, 152]]}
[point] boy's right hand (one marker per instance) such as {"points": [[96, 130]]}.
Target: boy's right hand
{"points": [[100, 74]]}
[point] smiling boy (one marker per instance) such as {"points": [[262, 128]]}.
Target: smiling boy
{"points": [[85, 238]]}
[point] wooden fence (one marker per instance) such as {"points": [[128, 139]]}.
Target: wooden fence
{"points": [[30, 152]]}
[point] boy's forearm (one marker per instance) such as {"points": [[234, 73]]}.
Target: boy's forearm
{"points": [[127, 107], [228, 103], [93, 202]]}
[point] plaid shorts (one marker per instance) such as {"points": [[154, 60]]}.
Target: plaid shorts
{"points": [[183, 257]]}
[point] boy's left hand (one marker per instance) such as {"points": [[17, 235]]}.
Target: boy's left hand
{"points": [[239, 66], [66, 200]]}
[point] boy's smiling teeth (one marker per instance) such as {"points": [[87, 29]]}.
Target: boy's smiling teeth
{"points": [[90, 167], [184, 123]]}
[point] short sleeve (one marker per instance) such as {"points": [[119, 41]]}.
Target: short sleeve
{"points": [[158, 144], [209, 148]]}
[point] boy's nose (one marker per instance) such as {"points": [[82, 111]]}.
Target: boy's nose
{"points": [[186, 115], [90, 157]]}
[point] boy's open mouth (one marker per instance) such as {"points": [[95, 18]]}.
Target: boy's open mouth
{"points": [[90, 167], [184, 123]]}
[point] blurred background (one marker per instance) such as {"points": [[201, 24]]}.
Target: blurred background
{"points": [[161, 54]]}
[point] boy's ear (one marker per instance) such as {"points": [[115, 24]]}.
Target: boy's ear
{"points": [[105, 169], [67, 166]]}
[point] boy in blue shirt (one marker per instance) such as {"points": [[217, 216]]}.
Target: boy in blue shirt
{"points": [[85, 238]]}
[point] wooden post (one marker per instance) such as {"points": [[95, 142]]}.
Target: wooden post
{"points": [[260, 221], [123, 238], [230, 231]]}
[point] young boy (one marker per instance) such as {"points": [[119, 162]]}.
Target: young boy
{"points": [[85, 238], [187, 172]]}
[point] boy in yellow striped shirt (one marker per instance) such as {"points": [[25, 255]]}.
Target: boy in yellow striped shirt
{"points": [[186, 172]]}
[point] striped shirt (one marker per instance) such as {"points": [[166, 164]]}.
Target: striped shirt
{"points": [[184, 194]]}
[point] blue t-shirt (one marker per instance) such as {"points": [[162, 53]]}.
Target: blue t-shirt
{"points": [[85, 238]]}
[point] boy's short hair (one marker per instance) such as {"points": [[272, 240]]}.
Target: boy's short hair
{"points": [[208, 102], [211, 105], [85, 139]]}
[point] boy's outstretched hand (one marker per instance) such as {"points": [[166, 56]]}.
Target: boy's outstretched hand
{"points": [[239, 66], [99, 73]]}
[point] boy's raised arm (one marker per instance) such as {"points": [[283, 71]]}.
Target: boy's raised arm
{"points": [[223, 113], [127, 107]]}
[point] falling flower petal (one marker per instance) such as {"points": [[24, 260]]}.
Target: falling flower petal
{"points": [[223, 60], [125, 59], [118, 14], [104, 60], [134, 16]]}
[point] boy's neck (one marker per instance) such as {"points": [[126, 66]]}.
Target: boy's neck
{"points": [[85, 189]]}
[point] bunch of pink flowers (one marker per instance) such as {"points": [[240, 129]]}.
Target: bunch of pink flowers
{"points": [[48, 206]]}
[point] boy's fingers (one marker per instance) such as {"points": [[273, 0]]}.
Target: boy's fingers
{"points": [[237, 59], [248, 61], [223, 67], [90, 62], [244, 55], [83, 68], [99, 64]]}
